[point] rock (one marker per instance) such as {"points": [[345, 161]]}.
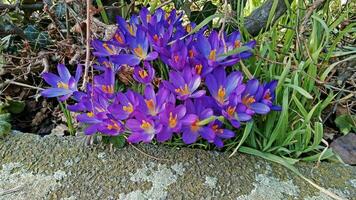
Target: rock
{"points": [[55, 167], [345, 147]]}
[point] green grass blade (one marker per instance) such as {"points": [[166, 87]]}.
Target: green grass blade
{"points": [[102, 12], [300, 90], [247, 131]]}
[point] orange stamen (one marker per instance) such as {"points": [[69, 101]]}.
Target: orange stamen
{"points": [[119, 38], [191, 53], [130, 28], [108, 89], [172, 120], [194, 126], [212, 55], [230, 111], [142, 73], [221, 94], [198, 68], [106, 46], [148, 18], [237, 43], [176, 58], [217, 130], [268, 96], [155, 38], [248, 100], [183, 91], [90, 114], [114, 126], [139, 52], [188, 28], [151, 106]]}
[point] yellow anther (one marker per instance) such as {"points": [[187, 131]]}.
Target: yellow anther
{"points": [[60, 84], [212, 55], [221, 95], [129, 108], [145, 125]]}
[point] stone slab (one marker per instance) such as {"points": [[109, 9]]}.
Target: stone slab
{"points": [[53, 167]]}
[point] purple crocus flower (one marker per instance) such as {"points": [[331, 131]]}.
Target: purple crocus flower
{"points": [[144, 74], [106, 63], [103, 48], [220, 133], [268, 95], [178, 55], [143, 128], [152, 104], [212, 49], [171, 118], [118, 39], [111, 127], [235, 114], [184, 84], [249, 97], [64, 85], [106, 82], [200, 67], [220, 86], [95, 110], [125, 105], [196, 111], [129, 29], [234, 41], [139, 47]]}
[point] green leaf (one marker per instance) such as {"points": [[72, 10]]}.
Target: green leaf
{"points": [[15, 107], [246, 133], [346, 123], [103, 14], [235, 51], [178, 3], [5, 117], [117, 141], [38, 39], [60, 11], [199, 16], [300, 90], [5, 126]]}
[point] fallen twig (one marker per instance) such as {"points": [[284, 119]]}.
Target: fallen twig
{"points": [[12, 190], [7, 82], [139, 150], [87, 55]]}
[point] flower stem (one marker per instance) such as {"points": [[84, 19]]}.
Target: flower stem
{"points": [[68, 117]]}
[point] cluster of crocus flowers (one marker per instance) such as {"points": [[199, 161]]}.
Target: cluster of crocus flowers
{"points": [[201, 96]]}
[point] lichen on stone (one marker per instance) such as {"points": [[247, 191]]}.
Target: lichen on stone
{"points": [[160, 176], [271, 188], [20, 184], [210, 182]]}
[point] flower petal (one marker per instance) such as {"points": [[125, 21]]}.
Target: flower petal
{"points": [[63, 73], [260, 108], [51, 79], [128, 59], [189, 137], [55, 92]]}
